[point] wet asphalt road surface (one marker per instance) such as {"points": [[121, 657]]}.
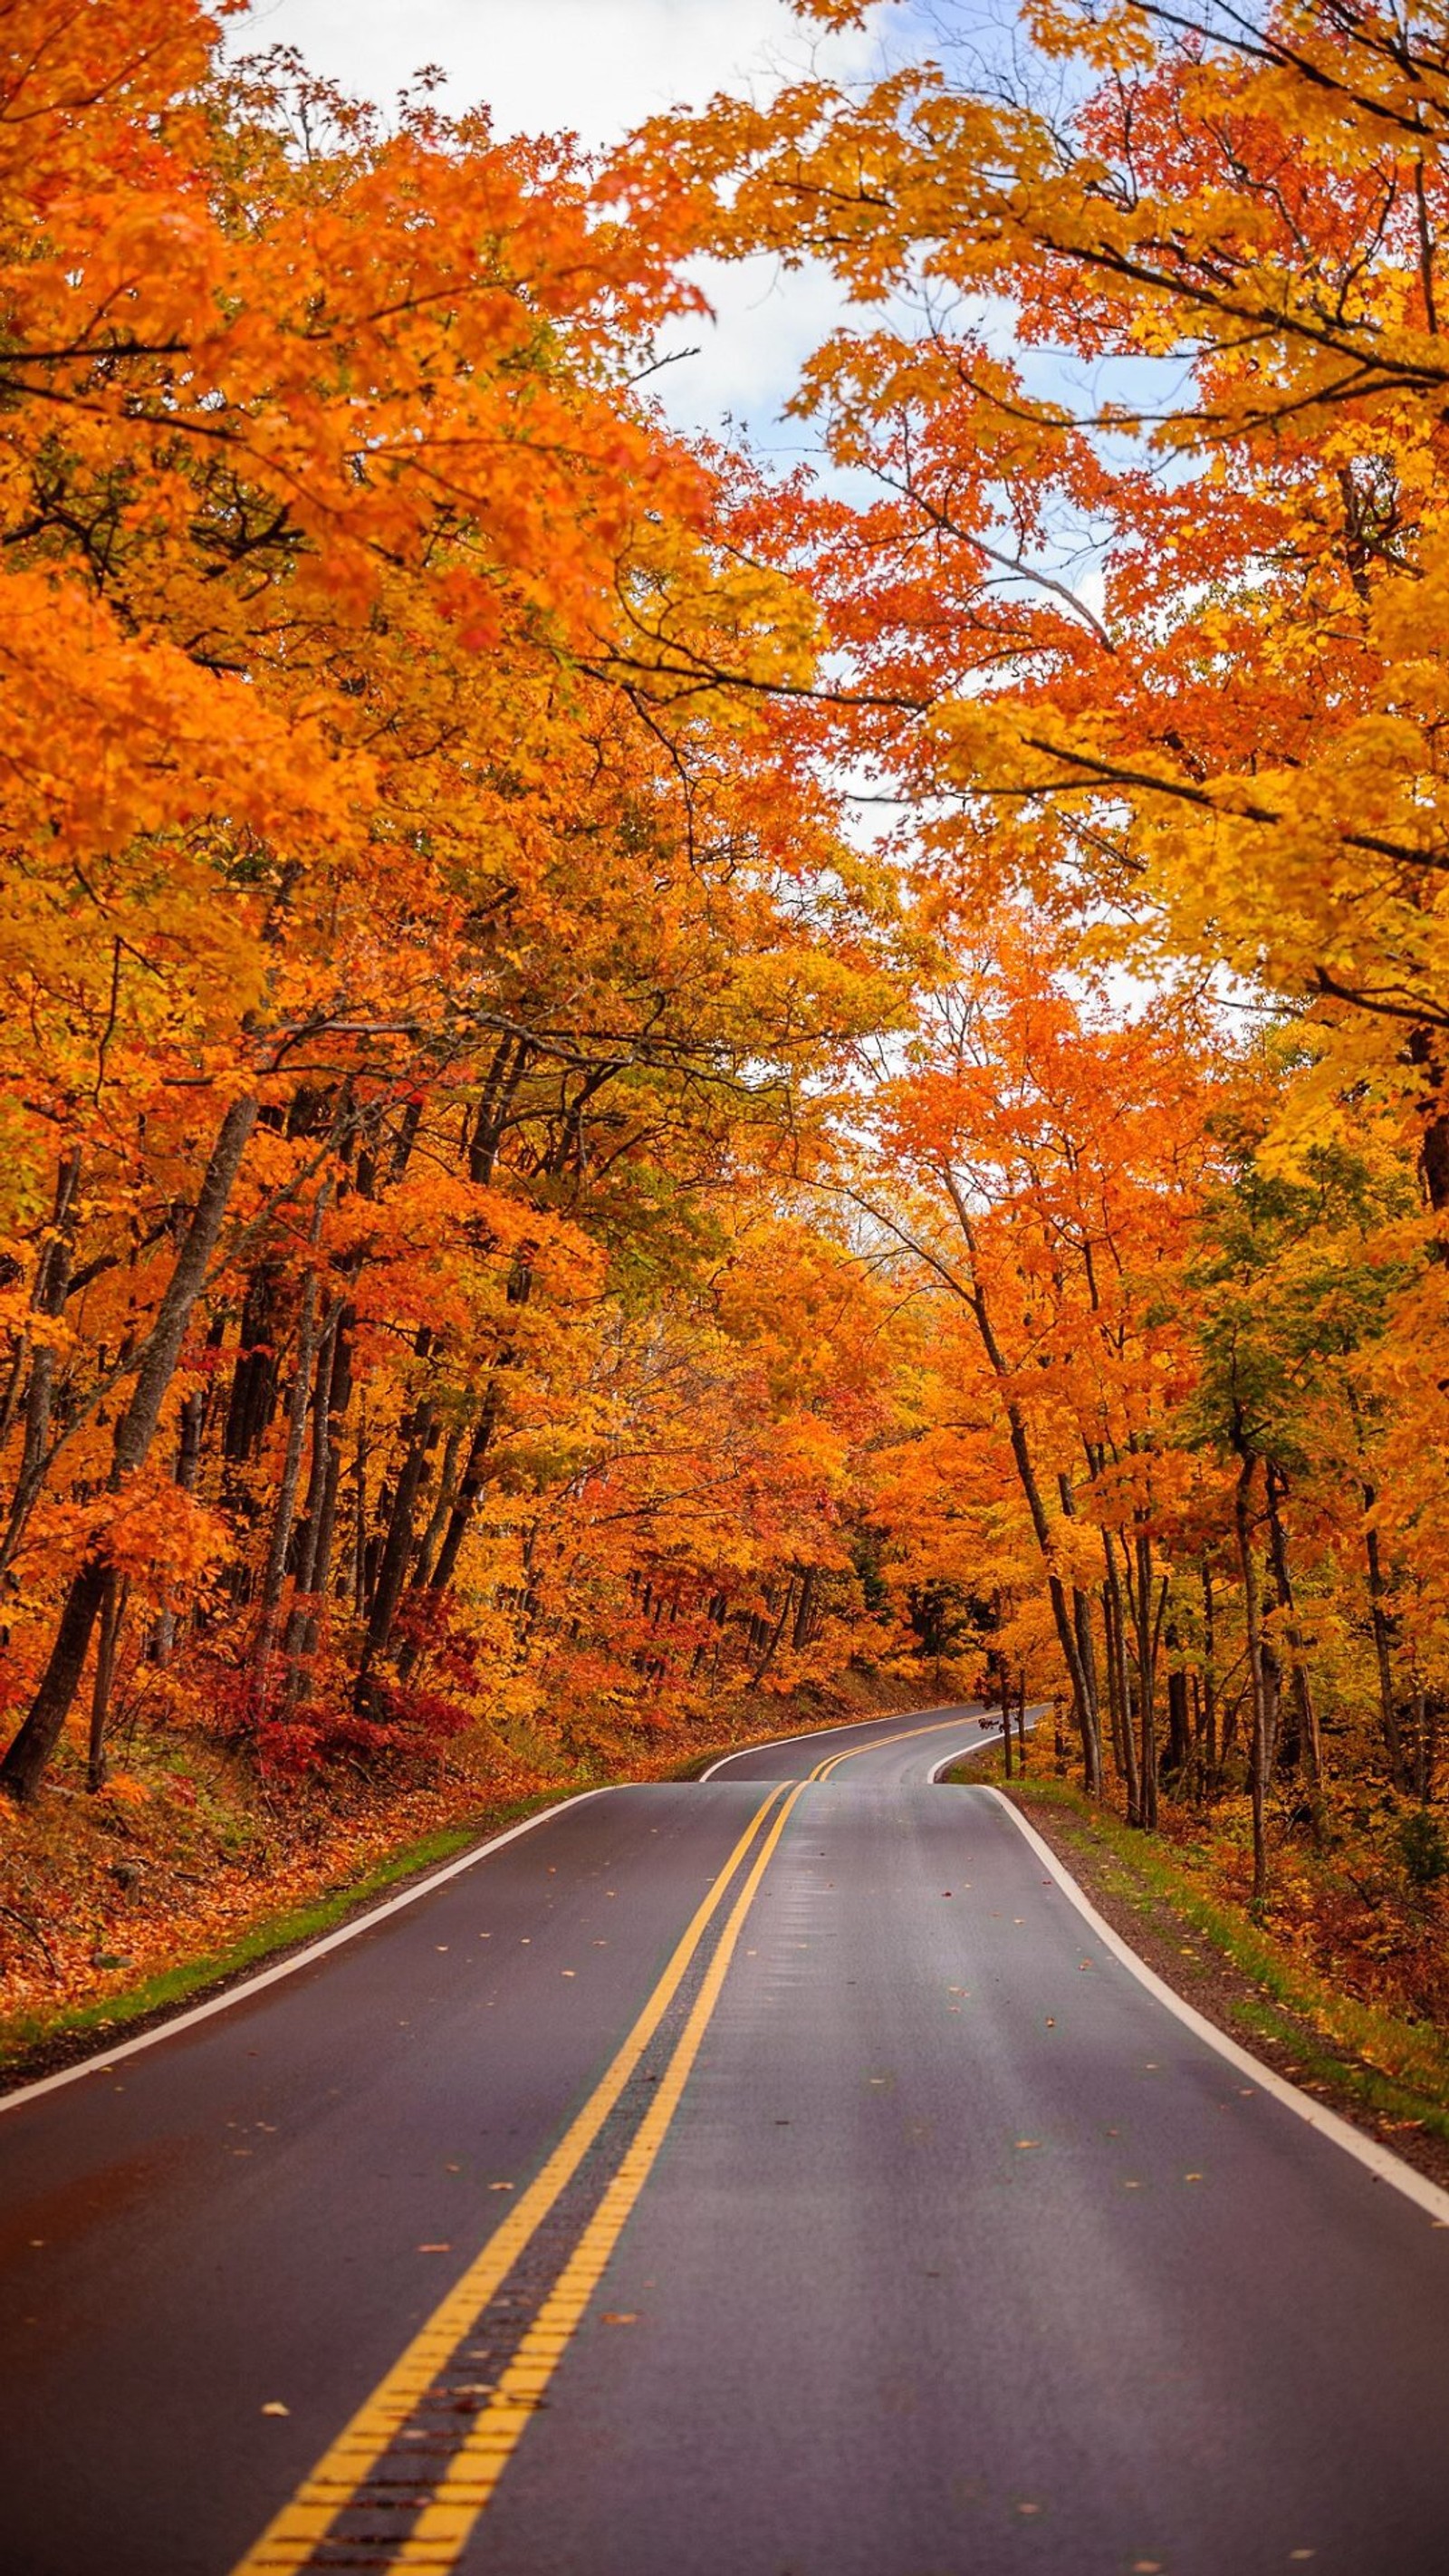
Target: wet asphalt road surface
{"points": [[961, 2256]]}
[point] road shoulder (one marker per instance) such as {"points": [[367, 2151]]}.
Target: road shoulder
{"points": [[1382, 2075]]}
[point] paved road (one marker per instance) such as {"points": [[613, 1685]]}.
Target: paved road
{"points": [[909, 2237]]}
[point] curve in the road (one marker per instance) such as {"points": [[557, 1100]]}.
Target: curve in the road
{"points": [[867, 2211]]}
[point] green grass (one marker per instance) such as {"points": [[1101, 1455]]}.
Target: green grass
{"points": [[55, 2033], [1394, 2067], [24, 2035]]}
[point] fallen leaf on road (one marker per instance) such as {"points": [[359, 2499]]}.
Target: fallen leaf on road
{"points": [[1028, 2142], [274, 2406], [619, 2317], [435, 2249], [500, 2186]]}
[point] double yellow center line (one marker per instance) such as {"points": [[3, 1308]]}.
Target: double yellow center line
{"points": [[438, 2533], [417, 2513], [882, 1744]]}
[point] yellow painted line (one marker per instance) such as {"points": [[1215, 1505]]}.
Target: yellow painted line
{"points": [[940, 1726], [290, 2538], [440, 2534]]}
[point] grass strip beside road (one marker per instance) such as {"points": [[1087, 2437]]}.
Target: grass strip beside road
{"points": [[1388, 2074], [40, 2040]]}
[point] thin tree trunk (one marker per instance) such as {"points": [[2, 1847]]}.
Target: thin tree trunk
{"points": [[1128, 1746], [359, 1518], [1257, 1683], [113, 1612], [470, 1486], [25, 1763], [47, 1298], [397, 1546], [1308, 1746], [333, 1395], [285, 1512], [1383, 1645], [1211, 1781], [774, 1634], [800, 1634], [309, 1534], [1142, 1621], [1027, 1476], [188, 1472], [442, 1509]]}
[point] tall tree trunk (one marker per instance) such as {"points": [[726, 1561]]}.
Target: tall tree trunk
{"points": [[47, 1298], [800, 1634], [1179, 1729], [305, 1551], [470, 1486], [1209, 1687], [397, 1546], [1082, 1623], [773, 1635], [25, 1763], [1258, 1681], [1017, 1434], [1307, 1744], [284, 1513], [442, 1509], [1425, 1046], [1140, 1590], [334, 1390], [1128, 1742], [188, 1472], [113, 1612], [1383, 1645]]}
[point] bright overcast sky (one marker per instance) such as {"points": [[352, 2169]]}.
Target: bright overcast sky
{"points": [[597, 67]]}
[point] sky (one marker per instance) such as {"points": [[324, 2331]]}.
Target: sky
{"points": [[598, 67]]}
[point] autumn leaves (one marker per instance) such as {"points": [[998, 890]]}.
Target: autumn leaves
{"points": [[414, 940], [511, 1206]]}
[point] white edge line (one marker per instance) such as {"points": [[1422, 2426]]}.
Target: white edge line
{"points": [[811, 1733], [981, 1744], [105, 2058], [1382, 2163]]}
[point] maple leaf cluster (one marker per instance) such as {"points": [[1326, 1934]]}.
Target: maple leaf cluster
{"points": [[418, 944], [524, 1215], [1140, 413]]}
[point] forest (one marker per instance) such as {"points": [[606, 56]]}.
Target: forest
{"points": [[649, 1096]]}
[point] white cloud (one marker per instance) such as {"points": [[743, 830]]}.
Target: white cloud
{"points": [[596, 68]]}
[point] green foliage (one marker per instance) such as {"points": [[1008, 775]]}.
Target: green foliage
{"points": [[1422, 1848]]}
